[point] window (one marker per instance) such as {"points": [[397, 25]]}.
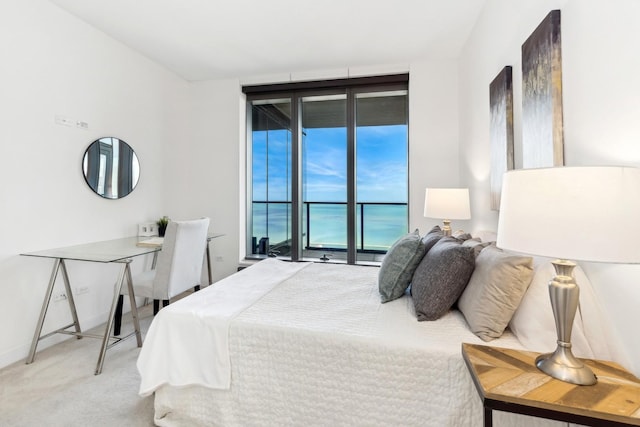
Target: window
{"points": [[328, 168]]}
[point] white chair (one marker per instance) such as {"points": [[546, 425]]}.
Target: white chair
{"points": [[178, 268]]}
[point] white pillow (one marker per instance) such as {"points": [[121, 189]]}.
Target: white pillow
{"points": [[533, 321]]}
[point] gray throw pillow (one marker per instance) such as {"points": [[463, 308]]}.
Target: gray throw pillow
{"points": [[432, 237], [494, 291], [441, 277], [398, 266]]}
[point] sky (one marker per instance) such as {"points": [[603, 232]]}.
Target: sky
{"points": [[381, 164]]}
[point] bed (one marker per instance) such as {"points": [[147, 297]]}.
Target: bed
{"points": [[288, 344]]}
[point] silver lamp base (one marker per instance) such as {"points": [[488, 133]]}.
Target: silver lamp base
{"points": [[565, 295], [562, 365], [446, 227]]}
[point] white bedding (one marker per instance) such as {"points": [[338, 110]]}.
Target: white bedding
{"points": [[319, 349], [188, 341]]}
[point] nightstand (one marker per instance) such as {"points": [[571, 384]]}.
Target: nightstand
{"points": [[508, 380]]}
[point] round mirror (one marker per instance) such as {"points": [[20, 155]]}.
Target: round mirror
{"points": [[111, 168]]}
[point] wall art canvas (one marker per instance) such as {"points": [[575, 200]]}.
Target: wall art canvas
{"points": [[501, 131], [542, 129]]}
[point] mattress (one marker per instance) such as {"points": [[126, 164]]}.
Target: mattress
{"points": [[319, 349]]}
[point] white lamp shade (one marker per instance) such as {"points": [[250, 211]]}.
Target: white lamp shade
{"points": [[447, 203], [574, 213]]}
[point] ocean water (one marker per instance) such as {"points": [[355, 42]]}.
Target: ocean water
{"points": [[327, 226]]}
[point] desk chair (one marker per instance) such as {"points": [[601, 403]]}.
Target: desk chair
{"points": [[179, 266]]}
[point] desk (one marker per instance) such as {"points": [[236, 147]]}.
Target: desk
{"points": [[111, 251], [508, 380]]}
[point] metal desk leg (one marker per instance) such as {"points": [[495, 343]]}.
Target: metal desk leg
{"points": [[209, 265], [43, 311], [107, 331], [72, 303], [58, 265], [153, 267], [134, 307], [488, 417]]}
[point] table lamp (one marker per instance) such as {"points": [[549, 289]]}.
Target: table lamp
{"points": [[447, 204], [570, 213]]}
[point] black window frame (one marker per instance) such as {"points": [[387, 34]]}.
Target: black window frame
{"points": [[296, 91]]}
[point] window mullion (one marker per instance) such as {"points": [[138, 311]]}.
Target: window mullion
{"points": [[351, 179], [296, 180]]}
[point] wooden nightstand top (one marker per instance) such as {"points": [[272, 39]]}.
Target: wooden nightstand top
{"points": [[510, 376]]}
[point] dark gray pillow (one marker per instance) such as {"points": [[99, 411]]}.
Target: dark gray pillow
{"points": [[398, 266], [432, 237], [441, 277]]}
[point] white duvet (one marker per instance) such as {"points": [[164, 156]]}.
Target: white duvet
{"points": [[188, 341], [316, 349]]}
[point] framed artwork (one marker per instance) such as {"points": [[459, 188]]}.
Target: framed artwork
{"points": [[501, 131], [542, 129]]}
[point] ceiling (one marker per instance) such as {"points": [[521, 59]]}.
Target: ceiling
{"points": [[212, 39]]}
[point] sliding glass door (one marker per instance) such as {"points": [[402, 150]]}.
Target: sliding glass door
{"points": [[324, 175], [381, 126], [270, 219]]}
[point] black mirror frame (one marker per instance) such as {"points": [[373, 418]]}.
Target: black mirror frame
{"points": [[128, 167]]}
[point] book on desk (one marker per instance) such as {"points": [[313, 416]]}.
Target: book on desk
{"points": [[153, 242]]}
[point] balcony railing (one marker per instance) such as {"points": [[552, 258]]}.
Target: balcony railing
{"points": [[325, 224]]}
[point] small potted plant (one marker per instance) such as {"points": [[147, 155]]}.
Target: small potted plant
{"points": [[162, 225]]}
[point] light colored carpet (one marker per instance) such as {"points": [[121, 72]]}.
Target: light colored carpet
{"points": [[60, 389]]}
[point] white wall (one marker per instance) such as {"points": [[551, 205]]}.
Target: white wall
{"points": [[601, 111], [54, 64], [202, 167], [433, 136]]}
